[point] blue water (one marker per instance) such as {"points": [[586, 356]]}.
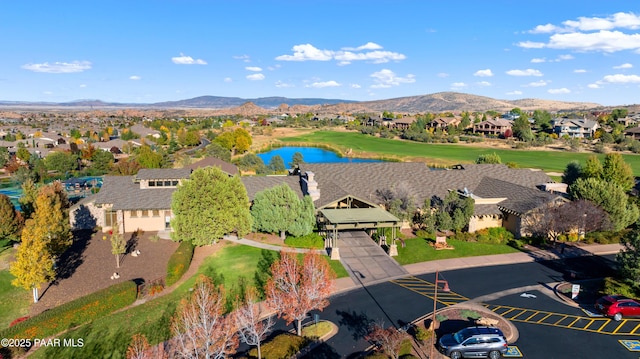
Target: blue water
{"points": [[309, 155]]}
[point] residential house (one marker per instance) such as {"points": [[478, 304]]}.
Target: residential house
{"points": [[444, 122], [143, 131], [494, 126], [142, 201], [503, 195], [633, 132], [575, 128], [402, 123]]}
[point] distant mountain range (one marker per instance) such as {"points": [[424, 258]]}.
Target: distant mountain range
{"points": [[437, 102]]}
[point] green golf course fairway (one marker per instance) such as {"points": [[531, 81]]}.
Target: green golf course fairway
{"points": [[444, 154]]}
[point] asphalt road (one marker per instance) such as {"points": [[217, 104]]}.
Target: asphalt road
{"points": [[391, 303]]}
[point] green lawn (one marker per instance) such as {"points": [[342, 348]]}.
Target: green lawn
{"points": [[15, 301], [109, 337], [419, 250], [446, 154]]}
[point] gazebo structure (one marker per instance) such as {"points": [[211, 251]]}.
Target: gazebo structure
{"points": [[332, 220]]}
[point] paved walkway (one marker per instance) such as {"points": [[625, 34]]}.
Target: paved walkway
{"points": [[366, 261]]}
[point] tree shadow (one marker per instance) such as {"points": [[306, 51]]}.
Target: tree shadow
{"points": [[357, 323], [580, 267], [130, 247], [322, 351], [73, 257], [84, 219]]}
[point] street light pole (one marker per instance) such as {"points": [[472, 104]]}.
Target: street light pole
{"points": [[435, 303]]}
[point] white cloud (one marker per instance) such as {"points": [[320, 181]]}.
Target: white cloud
{"points": [[228, 79], [387, 78], [308, 52], [458, 85], [83, 86], [59, 67], [324, 84], [621, 79], [483, 83], [604, 40], [514, 93], [617, 20], [483, 73], [531, 44], [538, 60], [355, 86], [442, 74], [281, 84], [563, 90], [255, 77], [48, 93], [244, 58], [368, 46], [623, 66], [565, 57], [579, 71], [135, 78], [187, 60], [537, 84], [253, 68], [527, 72], [544, 29], [593, 86]]}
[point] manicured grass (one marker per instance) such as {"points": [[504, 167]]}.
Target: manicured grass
{"points": [[15, 301], [317, 330], [109, 337], [446, 154], [418, 250], [337, 267]]}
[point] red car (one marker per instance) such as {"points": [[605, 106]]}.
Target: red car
{"points": [[618, 306]]}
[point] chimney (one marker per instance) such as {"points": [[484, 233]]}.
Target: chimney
{"points": [[310, 186]]}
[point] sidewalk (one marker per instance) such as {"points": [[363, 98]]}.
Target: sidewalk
{"points": [[346, 284]]}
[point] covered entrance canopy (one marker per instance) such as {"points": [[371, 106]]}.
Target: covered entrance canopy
{"points": [[332, 220]]}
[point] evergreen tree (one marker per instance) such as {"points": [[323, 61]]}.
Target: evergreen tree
{"points": [[209, 205], [572, 172], [277, 209], [276, 164], [592, 169], [304, 223], [216, 150], [629, 258], [10, 220], [616, 170], [296, 160]]}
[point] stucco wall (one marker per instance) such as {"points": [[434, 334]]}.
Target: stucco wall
{"points": [[150, 223], [512, 223], [482, 222]]}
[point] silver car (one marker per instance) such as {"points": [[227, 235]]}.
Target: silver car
{"points": [[474, 342]]}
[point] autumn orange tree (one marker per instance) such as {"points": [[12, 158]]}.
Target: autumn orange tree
{"points": [[388, 340], [140, 349], [200, 328], [45, 236], [297, 287]]}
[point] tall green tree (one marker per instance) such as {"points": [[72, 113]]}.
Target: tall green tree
{"points": [[28, 199], [522, 128], [592, 168], [629, 258], [296, 160], [542, 119], [61, 162], [10, 220], [102, 161], [609, 196], [304, 223], [216, 150], [276, 164], [4, 156], [616, 170], [572, 172], [277, 209], [148, 158], [209, 205]]}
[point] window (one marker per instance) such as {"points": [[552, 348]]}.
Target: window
{"points": [[167, 183], [110, 218], [174, 183], [155, 213], [152, 183], [145, 213], [134, 214]]}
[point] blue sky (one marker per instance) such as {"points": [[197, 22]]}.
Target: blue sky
{"points": [[141, 51]]}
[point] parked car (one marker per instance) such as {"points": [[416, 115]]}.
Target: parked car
{"points": [[474, 342], [618, 306]]}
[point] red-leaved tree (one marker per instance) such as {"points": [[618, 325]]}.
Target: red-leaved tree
{"points": [[200, 328], [388, 340], [295, 288]]}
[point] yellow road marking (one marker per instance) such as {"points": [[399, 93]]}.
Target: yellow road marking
{"points": [[532, 315], [563, 318], [603, 325], [545, 317], [619, 326]]}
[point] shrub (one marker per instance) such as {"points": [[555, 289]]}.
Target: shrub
{"points": [[311, 240], [281, 346], [469, 314], [423, 334], [495, 235], [74, 313], [605, 237], [618, 286], [179, 262]]}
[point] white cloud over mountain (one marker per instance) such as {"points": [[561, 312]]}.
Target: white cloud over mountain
{"points": [[345, 56]]}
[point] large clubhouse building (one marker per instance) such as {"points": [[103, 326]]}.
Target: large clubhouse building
{"points": [[344, 194]]}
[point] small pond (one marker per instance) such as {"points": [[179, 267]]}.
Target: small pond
{"points": [[310, 155]]}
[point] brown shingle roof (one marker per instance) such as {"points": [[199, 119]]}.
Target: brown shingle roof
{"points": [[226, 167], [125, 194]]}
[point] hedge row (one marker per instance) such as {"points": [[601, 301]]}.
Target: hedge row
{"points": [[311, 240], [74, 313], [179, 262]]}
